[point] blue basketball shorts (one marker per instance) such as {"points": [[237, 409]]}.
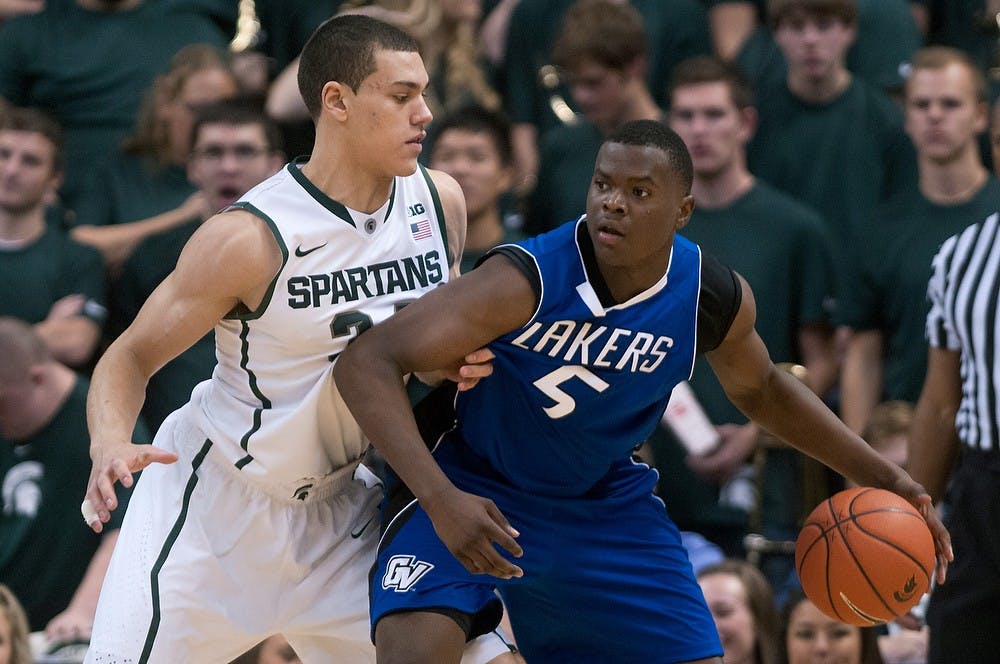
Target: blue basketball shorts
{"points": [[606, 577]]}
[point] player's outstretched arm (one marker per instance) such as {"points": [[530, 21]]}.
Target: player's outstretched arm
{"points": [[229, 260], [788, 409], [438, 330]]}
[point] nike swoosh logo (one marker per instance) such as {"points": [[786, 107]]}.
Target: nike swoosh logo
{"points": [[300, 253], [360, 531]]}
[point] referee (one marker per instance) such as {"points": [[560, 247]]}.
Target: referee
{"points": [[958, 417]]}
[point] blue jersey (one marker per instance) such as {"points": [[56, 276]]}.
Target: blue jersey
{"points": [[582, 383]]}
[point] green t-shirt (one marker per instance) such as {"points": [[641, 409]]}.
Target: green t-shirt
{"points": [[91, 69], [130, 188], [34, 277], [889, 290], [170, 387], [780, 247], [841, 158], [45, 546]]}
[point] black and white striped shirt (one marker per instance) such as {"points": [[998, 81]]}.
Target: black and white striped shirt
{"points": [[965, 316]]}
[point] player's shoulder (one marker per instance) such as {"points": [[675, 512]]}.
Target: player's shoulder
{"points": [[447, 187]]}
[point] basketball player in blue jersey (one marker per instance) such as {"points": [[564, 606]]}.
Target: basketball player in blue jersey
{"points": [[253, 515], [535, 491]]}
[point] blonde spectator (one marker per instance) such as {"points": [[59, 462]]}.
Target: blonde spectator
{"points": [[144, 189], [14, 645]]}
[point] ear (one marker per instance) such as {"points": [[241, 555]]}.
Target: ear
{"points": [[334, 99], [748, 120], [505, 180], [684, 212], [982, 117]]}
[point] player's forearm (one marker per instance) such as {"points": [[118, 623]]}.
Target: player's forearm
{"points": [[372, 388], [789, 410], [117, 392]]}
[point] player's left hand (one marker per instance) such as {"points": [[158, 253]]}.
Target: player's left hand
{"points": [[478, 365], [920, 499]]}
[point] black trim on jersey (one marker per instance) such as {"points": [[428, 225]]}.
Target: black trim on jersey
{"points": [[337, 208], [718, 302], [593, 270], [265, 403], [523, 261], [439, 211], [168, 544], [241, 311]]}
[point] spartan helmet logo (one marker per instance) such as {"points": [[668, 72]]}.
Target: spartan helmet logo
{"points": [[21, 491], [370, 225]]}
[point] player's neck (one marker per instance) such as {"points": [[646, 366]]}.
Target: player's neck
{"points": [[22, 226], [720, 190], [347, 184], [954, 182]]}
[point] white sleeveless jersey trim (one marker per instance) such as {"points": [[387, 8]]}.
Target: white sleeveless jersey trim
{"points": [[271, 404]]}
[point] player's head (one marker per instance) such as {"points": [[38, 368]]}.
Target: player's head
{"points": [[711, 108], [343, 49], [809, 635], [473, 146], [639, 197], [602, 50], [15, 644], [31, 160], [742, 605], [235, 146]]}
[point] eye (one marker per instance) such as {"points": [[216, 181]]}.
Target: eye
{"points": [[640, 192], [600, 185]]}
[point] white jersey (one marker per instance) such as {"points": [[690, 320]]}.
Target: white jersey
{"points": [[271, 404]]}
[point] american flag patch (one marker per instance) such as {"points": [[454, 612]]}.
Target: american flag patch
{"points": [[421, 230]]}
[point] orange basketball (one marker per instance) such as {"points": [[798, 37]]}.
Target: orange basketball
{"points": [[865, 556]]}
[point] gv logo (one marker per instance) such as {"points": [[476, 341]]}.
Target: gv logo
{"points": [[403, 572]]}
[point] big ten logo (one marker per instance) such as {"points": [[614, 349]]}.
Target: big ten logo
{"points": [[415, 209]]}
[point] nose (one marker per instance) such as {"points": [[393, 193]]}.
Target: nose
{"points": [[422, 115], [614, 201]]}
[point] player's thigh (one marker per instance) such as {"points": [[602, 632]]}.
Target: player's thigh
{"points": [[419, 637], [160, 601], [622, 590], [321, 650], [415, 571]]}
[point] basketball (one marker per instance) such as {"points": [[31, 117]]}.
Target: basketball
{"points": [[865, 556]]}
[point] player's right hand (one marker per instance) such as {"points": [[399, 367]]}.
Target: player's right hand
{"points": [[116, 463], [469, 525]]}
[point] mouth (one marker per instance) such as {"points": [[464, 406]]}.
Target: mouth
{"points": [[418, 140], [609, 234]]}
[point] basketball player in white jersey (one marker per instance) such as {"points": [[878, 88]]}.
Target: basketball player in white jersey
{"points": [[254, 515]]}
